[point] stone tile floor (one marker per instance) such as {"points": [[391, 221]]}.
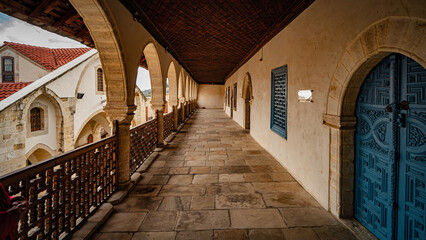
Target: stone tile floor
{"points": [[213, 181]]}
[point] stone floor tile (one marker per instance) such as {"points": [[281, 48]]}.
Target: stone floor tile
{"points": [[282, 177], [205, 178], [218, 157], [256, 218], [200, 149], [145, 204], [194, 235], [228, 188], [290, 199], [261, 168], [196, 163], [257, 177], [258, 161], [196, 158], [252, 200], [159, 179], [230, 235], [199, 170], [272, 187], [158, 163], [307, 217], [182, 190], [215, 163], [181, 179], [334, 233], [267, 234], [203, 220], [229, 178], [159, 221], [146, 177], [174, 164], [277, 168], [202, 202], [217, 149], [231, 169], [154, 236], [145, 190], [123, 222], [159, 170], [171, 204], [235, 163], [179, 170], [113, 236], [176, 158], [195, 153], [300, 233]]}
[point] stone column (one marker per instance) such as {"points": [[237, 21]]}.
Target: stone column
{"points": [[182, 102], [122, 115], [175, 118], [342, 158], [159, 111]]}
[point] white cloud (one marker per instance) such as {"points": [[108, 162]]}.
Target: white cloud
{"points": [[15, 30]]}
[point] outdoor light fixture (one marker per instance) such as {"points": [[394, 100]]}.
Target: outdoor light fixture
{"points": [[80, 95], [305, 95]]}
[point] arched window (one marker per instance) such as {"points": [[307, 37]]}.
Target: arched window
{"points": [[100, 79], [35, 119], [90, 138]]}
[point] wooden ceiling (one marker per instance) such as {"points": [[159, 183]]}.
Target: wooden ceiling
{"points": [[213, 38]]}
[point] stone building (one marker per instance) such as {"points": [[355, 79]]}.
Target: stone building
{"points": [[53, 103], [331, 91]]}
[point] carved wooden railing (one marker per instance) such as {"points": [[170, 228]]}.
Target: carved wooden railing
{"points": [[168, 124], [64, 190], [179, 116], [143, 141]]}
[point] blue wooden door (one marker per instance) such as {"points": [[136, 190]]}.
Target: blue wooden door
{"points": [[412, 166], [390, 150]]}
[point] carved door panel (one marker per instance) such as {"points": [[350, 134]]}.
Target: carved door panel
{"points": [[412, 166], [374, 165], [390, 152]]}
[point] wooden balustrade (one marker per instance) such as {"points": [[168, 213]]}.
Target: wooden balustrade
{"points": [[143, 141], [168, 124], [64, 190]]}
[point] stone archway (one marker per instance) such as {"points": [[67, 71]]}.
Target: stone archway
{"points": [[154, 67], [38, 153], [247, 95], [173, 85], [390, 35]]}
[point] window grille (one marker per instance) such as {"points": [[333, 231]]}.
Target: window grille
{"points": [[100, 78], [279, 101], [35, 119], [7, 69]]}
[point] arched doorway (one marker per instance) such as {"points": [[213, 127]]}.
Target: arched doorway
{"points": [[390, 150], [247, 96], [38, 155]]}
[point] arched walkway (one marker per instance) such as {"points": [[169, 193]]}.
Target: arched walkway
{"points": [[154, 68], [173, 86], [390, 35]]}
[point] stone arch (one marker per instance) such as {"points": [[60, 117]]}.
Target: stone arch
{"points": [[154, 67], [85, 69], [390, 35], [181, 86], [59, 113], [39, 153], [93, 117], [100, 24], [247, 95], [173, 85]]}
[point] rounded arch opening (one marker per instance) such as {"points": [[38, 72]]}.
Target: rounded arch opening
{"points": [[172, 86], [97, 126]]}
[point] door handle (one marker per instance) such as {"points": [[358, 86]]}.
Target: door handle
{"points": [[404, 105], [388, 108]]}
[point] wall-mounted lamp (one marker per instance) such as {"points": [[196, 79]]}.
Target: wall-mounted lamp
{"points": [[80, 95], [305, 95]]}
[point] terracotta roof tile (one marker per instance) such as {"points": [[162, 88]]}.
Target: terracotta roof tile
{"points": [[50, 58], [7, 89]]}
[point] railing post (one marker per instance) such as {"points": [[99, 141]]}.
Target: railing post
{"points": [[175, 118], [123, 116], [160, 127]]}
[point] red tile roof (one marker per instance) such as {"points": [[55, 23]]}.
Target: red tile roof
{"points": [[7, 89], [50, 58]]}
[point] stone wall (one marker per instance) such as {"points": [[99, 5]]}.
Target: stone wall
{"points": [[210, 96], [313, 47]]}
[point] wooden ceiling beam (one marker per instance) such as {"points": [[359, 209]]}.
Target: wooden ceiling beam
{"points": [[71, 14], [51, 6], [37, 10]]}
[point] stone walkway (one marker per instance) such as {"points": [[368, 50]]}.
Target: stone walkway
{"points": [[213, 181]]}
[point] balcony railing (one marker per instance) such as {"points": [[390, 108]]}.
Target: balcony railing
{"points": [[64, 190], [168, 124], [143, 141]]}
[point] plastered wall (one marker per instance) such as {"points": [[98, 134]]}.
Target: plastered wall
{"points": [[210, 96], [311, 46]]}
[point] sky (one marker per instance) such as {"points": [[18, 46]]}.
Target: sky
{"points": [[15, 30]]}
